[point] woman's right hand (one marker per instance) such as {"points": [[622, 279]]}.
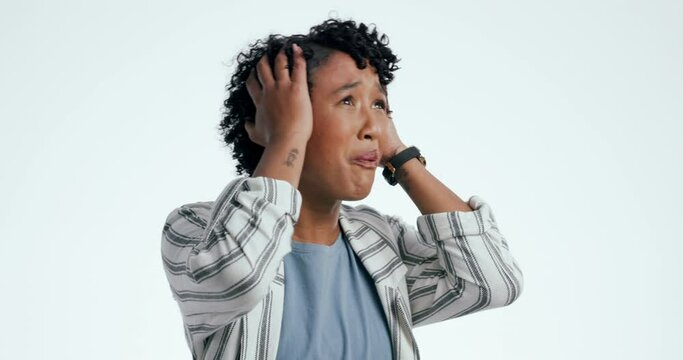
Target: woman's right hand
{"points": [[283, 106]]}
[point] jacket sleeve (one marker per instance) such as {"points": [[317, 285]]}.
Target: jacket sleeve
{"points": [[221, 257], [457, 263]]}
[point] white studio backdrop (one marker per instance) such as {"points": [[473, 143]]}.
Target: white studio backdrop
{"points": [[566, 116]]}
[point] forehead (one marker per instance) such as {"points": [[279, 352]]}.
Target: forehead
{"points": [[340, 69]]}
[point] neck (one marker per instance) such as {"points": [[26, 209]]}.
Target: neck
{"points": [[318, 221]]}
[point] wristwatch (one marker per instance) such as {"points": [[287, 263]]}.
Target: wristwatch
{"points": [[391, 166]]}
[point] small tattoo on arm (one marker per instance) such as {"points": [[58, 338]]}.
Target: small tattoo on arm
{"points": [[291, 157]]}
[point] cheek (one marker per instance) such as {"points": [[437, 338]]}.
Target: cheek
{"points": [[330, 126], [326, 142], [328, 150]]}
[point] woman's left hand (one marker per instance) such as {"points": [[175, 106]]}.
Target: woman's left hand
{"points": [[391, 144]]}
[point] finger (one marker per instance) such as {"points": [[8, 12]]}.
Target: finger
{"points": [[299, 66], [264, 73], [281, 71], [253, 87]]}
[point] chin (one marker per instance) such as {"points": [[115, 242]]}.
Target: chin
{"points": [[356, 198], [359, 193]]}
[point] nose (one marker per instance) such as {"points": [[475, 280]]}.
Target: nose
{"points": [[372, 125]]}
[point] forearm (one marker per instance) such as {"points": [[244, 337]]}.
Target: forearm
{"points": [[283, 160], [428, 193]]}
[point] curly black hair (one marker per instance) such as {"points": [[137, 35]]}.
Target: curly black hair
{"points": [[357, 40]]}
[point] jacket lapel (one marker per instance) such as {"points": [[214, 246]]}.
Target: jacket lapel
{"points": [[261, 326], [369, 237]]}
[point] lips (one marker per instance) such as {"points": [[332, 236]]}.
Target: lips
{"points": [[367, 159]]}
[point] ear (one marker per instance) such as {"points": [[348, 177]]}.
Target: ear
{"points": [[250, 127]]}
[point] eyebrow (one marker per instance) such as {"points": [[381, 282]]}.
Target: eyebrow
{"points": [[356, 83]]}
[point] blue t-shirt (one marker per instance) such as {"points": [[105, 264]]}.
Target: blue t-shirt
{"points": [[331, 309]]}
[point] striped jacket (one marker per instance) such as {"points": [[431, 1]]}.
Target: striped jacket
{"points": [[224, 261]]}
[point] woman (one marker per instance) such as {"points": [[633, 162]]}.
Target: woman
{"points": [[277, 266]]}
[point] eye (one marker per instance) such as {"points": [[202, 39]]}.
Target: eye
{"points": [[382, 103], [384, 106]]}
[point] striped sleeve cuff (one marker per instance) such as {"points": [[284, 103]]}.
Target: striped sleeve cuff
{"points": [[279, 192], [445, 225]]}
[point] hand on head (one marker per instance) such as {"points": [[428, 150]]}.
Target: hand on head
{"points": [[283, 106]]}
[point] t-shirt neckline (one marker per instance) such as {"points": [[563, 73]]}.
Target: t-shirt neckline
{"points": [[302, 247]]}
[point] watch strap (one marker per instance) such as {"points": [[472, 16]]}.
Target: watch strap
{"points": [[391, 166]]}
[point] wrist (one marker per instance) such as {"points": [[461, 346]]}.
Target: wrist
{"points": [[292, 139], [394, 167]]}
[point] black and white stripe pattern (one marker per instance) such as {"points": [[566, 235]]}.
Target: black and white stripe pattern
{"points": [[224, 263]]}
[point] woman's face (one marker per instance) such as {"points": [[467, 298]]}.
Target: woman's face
{"points": [[349, 119]]}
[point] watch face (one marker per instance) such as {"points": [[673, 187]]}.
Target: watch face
{"points": [[389, 176]]}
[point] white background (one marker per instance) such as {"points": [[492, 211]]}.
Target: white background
{"points": [[566, 116]]}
